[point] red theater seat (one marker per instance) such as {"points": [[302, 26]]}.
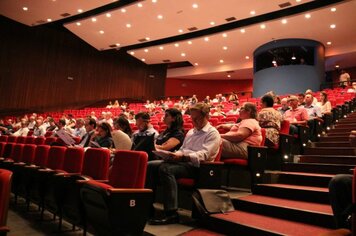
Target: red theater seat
{"points": [[5, 187], [122, 206]]}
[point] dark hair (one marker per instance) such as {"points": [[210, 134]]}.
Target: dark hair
{"points": [[124, 125], [144, 115], [251, 107], [325, 96], [106, 127], [62, 122], [177, 124], [301, 95], [267, 100], [92, 122]]}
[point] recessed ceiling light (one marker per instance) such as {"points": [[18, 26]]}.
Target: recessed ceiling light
{"points": [[333, 9], [225, 48], [284, 21], [224, 35], [252, 12], [25, 8], [146, 50], [332, 26], [176, 45], [180, 31], [79, 24], [182, 54], [242, 30], [212, 23], [49, 20], [117, 44], [196, 64], [108, 15], [80, 10], [154, 1], [263, 26], [93, 19], [147, 38], [221, 61], [307, 16], [140, 5], [160, 17], [128, 25], [132, 53], [328, 43], [143, 59], [229, 76], [123, 10], [337, 66], [195, 5], [189, 42], [206, 39], [298, 0], [101, 31], [247, 57], [161, 48]]}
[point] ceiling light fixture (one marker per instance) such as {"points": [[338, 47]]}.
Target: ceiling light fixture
{"points": [[263, 26], [333, 9], [25, 8], [229, 76], [224, 35], [298, 0], [332, 26], [180, 31], [143, 59], [101, 32], [337, 66], [108, 15], [140, 5], [195, 5], [146, 50], [206, 39], [49, 20], [182, 54], [284, 21], [132, 53], [147, 38], [80, 10], [225, 48], [196, 64], [160, 17], [128, 25], [189, 42], [79, 24], [117, 44], [212, 23], [161, 48], [176, 45], [221, 61], [328, 43], [307, 16], [242, 30], [252, 12], [123, 10], [247, 57], [154, 1], [93, 19], [293, 57]]}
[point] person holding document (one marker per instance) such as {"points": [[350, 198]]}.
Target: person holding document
{"points": [[201, 144], [102, 137]]}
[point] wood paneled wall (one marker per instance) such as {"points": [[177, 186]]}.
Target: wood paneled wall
{"points": [[35, 63]]}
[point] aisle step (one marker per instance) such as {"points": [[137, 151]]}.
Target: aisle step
{"points": [[318, 168], [329, 151], [328, 159]]}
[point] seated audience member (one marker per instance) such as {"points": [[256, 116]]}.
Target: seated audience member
{"points": [[92, 115], [353, 88], [270, 119], [340, 193], [116, 104], [39, 130], [102, 136], [201, 144], [79, 129], [31, 122], [149, 105], [222, 98], [121, 139], [172, 138], [5, 127], [131, 118], [240, 135], [109, 105], [325, 108], [207, 99], [284, 107], [218, 111], [70, 123], [309, 91], [52, 125], [142, 139], [168, 102], [277, 100], [301, 98], [344, 78], [233, 97], [124, 106], [90, 126], [296, 115], [313, 114], [181, 100], [108, 118], [193, 100], [235, 109], [23, 131]]}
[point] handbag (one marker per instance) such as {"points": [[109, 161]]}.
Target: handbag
{"points": [[210, 201]]}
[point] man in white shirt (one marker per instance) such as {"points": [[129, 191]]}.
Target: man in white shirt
{"points": [[201, 144], [39, 129], [23, 131]]}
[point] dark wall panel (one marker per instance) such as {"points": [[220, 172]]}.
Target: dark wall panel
{"points": [[35, 63]]}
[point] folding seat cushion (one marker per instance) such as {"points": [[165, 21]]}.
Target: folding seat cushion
{"points": [[3, 138], [40, 140], [21, 139], [12, 139], [30, 140], [5, 188]]}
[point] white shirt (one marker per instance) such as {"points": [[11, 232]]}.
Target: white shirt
{"points": [[21, 132], [201, 145]]}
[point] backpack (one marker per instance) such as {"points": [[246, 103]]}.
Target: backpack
{"points": [[210, 201]]}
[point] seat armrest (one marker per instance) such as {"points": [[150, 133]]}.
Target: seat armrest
{"points": [[130, 190], [257, 156], [209, 175]]}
